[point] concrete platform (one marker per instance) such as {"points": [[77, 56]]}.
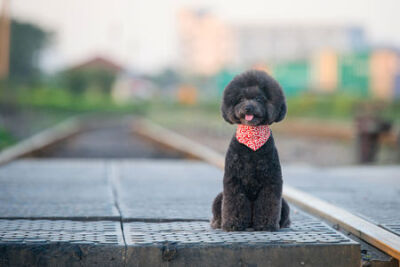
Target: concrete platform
{"points": [[371, 192], [166, 190], [142, 213], [56, 190]]}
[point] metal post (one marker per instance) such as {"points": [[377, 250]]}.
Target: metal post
{"points": [[4, 40], [369, 130]]}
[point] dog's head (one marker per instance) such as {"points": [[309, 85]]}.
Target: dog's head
{"points": [[253, 98]]}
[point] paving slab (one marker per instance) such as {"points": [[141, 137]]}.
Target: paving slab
{"points": [[167, 189], [371, 192], [35, 189]]}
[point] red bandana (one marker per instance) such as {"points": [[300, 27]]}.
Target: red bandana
{"points": [[253, 137]]}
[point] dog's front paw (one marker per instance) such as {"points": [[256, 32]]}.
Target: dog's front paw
{"points": [[269, 228], [215, 224]]}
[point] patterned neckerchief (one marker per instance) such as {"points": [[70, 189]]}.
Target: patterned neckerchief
{"points": [[253, 137]]}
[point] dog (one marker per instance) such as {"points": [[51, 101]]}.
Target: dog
{"points": [[252, 184]]}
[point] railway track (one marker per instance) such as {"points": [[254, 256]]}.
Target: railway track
{"points": [[42, 140], [86, 137]]}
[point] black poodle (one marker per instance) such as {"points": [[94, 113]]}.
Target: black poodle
{"points": [[252, 187]]}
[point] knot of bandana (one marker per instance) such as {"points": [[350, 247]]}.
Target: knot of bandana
{"points": [[253, 137]]}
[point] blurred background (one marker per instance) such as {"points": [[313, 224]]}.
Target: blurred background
{"points": [[169, 60]]}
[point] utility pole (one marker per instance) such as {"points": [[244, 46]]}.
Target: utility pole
{"points": [[4, 39]]}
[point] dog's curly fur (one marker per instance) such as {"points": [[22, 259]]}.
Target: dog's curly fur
{"points": [[252, 185]]}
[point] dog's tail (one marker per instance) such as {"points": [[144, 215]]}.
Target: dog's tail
{"points": [[216, 210]]}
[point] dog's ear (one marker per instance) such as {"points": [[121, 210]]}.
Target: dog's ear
{"points": [[227, 113], [281, 112], [228, 103]]}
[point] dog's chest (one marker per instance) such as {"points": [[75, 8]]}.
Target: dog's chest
{"points": [[251, 188], [250, 170], [252, 179]]}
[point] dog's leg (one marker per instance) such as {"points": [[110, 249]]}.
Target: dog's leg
{"points": [[236, 212], [267, 208], [216, 210], [285, 219]]}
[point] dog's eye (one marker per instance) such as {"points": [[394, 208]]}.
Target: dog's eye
{"points": [[259, 98], [240, 99]]}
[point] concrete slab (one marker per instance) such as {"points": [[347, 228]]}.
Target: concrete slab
{"points": [[167, 189], [371, 192], [56, 189], [61, 243]]}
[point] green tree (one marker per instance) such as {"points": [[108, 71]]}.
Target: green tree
{"points": [[27, 41]]}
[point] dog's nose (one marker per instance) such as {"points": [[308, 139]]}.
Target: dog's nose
{"points": [[248, 109]]}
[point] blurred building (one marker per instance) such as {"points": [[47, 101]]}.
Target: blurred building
{"points": [[205, 42], [123, 85], [325, 70], [354, 73], [208, 44], [371, 73], [271, 43], [302, 57], [129, 87], [98, 62], [385, 74], [95, 75]]}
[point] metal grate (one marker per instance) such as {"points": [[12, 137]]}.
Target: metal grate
{"points": [[303, 231], [45, 231]]}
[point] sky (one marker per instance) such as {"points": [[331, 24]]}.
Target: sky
{"points": [[142, 34]]}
